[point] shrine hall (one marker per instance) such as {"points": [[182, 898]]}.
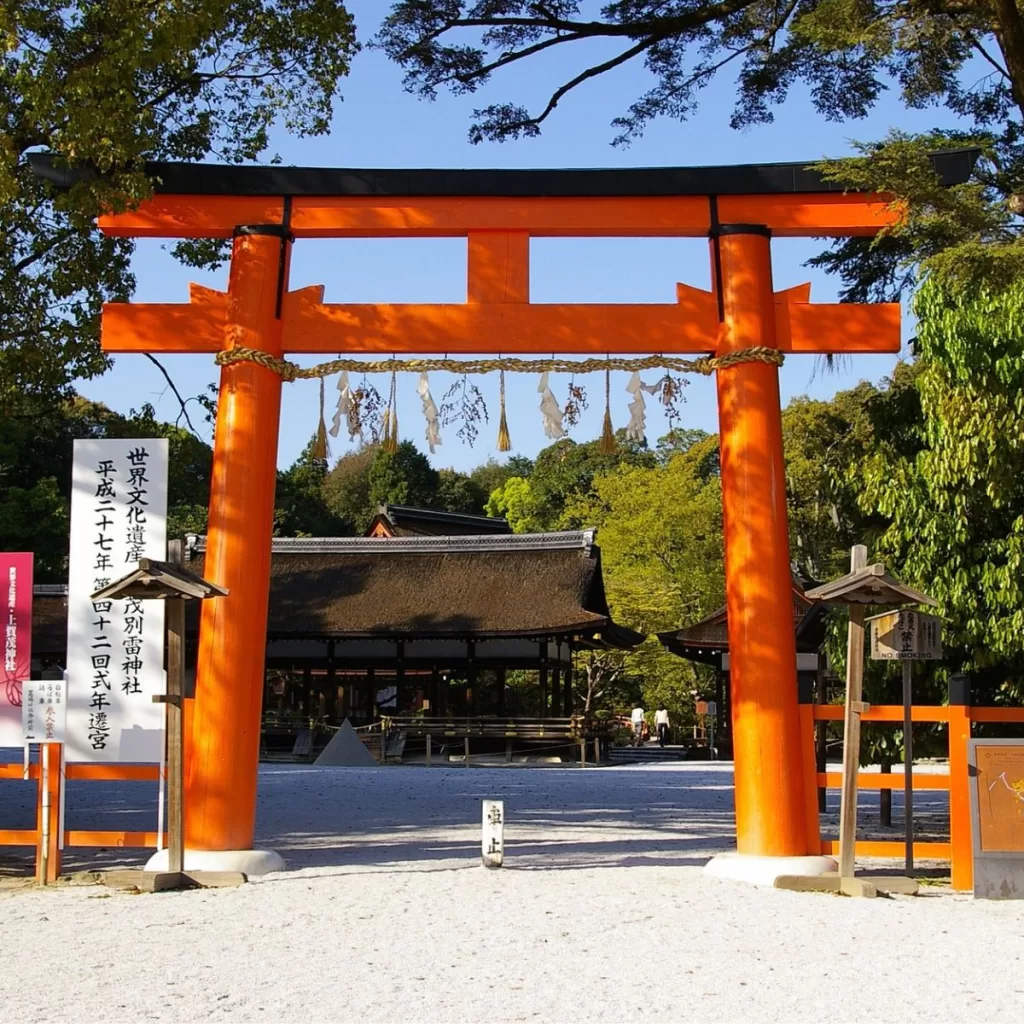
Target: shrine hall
{"points": [[428, 615]]}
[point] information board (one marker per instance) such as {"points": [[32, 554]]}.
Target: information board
{"points": [[16, 605], [115, 648], [905, 636], [44, 711], [996, 770]]}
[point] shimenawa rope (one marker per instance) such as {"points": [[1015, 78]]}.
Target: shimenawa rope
{"points": [[704, 365]]}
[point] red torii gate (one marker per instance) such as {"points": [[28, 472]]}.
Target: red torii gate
{"points": [[738, 208]]}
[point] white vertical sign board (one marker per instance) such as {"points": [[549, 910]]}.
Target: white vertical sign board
{"points": [[115, 648], [492, 846], [44, 711]]}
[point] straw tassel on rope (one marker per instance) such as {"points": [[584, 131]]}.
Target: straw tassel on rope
{"points": [[389, 421], [607, 444], [320, 449], [504, 441]]}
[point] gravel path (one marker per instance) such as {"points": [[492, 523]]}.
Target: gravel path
{"points": [[600, 914]]}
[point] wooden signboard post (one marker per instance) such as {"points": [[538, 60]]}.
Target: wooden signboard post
{"points": [[863, 585], [906, 636], [171, 583], [996, 769]]}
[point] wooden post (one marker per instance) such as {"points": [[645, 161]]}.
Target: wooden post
{"points": [[821, 742], [428, 749], [48, 858], [771, 811], [597, 750], [224, 756], [583, 752], [851, 725], [556, 693], [908, 766], [567, 696], [962, 851], [465, 760], [175, 617], [500, 673], [542, 674], [508, 751]]}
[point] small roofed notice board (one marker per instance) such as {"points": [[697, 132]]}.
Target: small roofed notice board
{"points": [[115, 648], [906, 636], [996, 769], [16, 606]]}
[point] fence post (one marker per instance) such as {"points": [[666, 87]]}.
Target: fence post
{"points": [[961, 850], [805, 696], [48, 792]]}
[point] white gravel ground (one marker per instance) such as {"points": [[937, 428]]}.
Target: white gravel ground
{"points": [[600, 914]]}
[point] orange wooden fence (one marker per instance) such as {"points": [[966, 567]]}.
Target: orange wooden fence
{"points": [[958, 718], [72, 837]]}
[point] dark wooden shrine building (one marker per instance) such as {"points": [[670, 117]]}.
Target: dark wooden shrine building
{"points": [[707, 642], [434, 614]]}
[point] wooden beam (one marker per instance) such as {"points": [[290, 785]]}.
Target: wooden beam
{"points": [[786, 214], [811, 214], [168, 216], [200, 325], [499, 318]]}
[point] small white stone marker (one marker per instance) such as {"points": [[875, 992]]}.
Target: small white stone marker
{"points": [[493, 843]]}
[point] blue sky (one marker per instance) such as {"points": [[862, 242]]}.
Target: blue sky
{"points": [[379, 125]]}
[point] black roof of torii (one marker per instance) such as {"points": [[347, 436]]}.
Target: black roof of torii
{"points": [[953, 166]]}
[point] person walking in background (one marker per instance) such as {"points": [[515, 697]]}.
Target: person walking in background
{"points": [[661, 724], [637, 718]]}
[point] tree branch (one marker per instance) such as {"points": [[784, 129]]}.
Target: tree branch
{"points": [[177, 394], [583, 76]]}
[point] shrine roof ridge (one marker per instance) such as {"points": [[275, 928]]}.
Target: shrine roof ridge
{"points": [[953, 166], [566, 540]]}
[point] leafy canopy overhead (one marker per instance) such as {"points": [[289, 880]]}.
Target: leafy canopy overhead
{"points": [[107, 85], [846, 51]]}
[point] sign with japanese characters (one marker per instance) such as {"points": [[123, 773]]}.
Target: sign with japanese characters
{"points": [[492, 844], [44, 711], [16, 614], [115, 648], [905, 636]]}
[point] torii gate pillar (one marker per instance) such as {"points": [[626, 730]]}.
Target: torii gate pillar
{"points": [[225, 735], [770, 789]]}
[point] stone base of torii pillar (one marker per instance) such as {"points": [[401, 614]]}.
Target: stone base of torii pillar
{"points": [[248, 862], [757, 870]]}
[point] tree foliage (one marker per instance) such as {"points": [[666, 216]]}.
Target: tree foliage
{"points": [[955, 508], [105, 85], [845, 52]]}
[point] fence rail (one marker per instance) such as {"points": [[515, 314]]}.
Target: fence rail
{"points": [[959, 719]]}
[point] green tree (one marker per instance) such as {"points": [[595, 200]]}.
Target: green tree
{"points": [[955, 507], [36, 454], [564, 472], [822, 440], [347, 487], [516, 503], [402, 477], [301, 507], [660, 533], [492, 475], [105, 85], [457, 492], [846, 53]]}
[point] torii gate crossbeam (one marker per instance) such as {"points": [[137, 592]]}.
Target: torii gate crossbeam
{"points": [[738, 208]]}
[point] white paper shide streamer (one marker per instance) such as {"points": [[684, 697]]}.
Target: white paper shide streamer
{"points": [[346, 410], [636, 429], [550, 410], [433, 434]]}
